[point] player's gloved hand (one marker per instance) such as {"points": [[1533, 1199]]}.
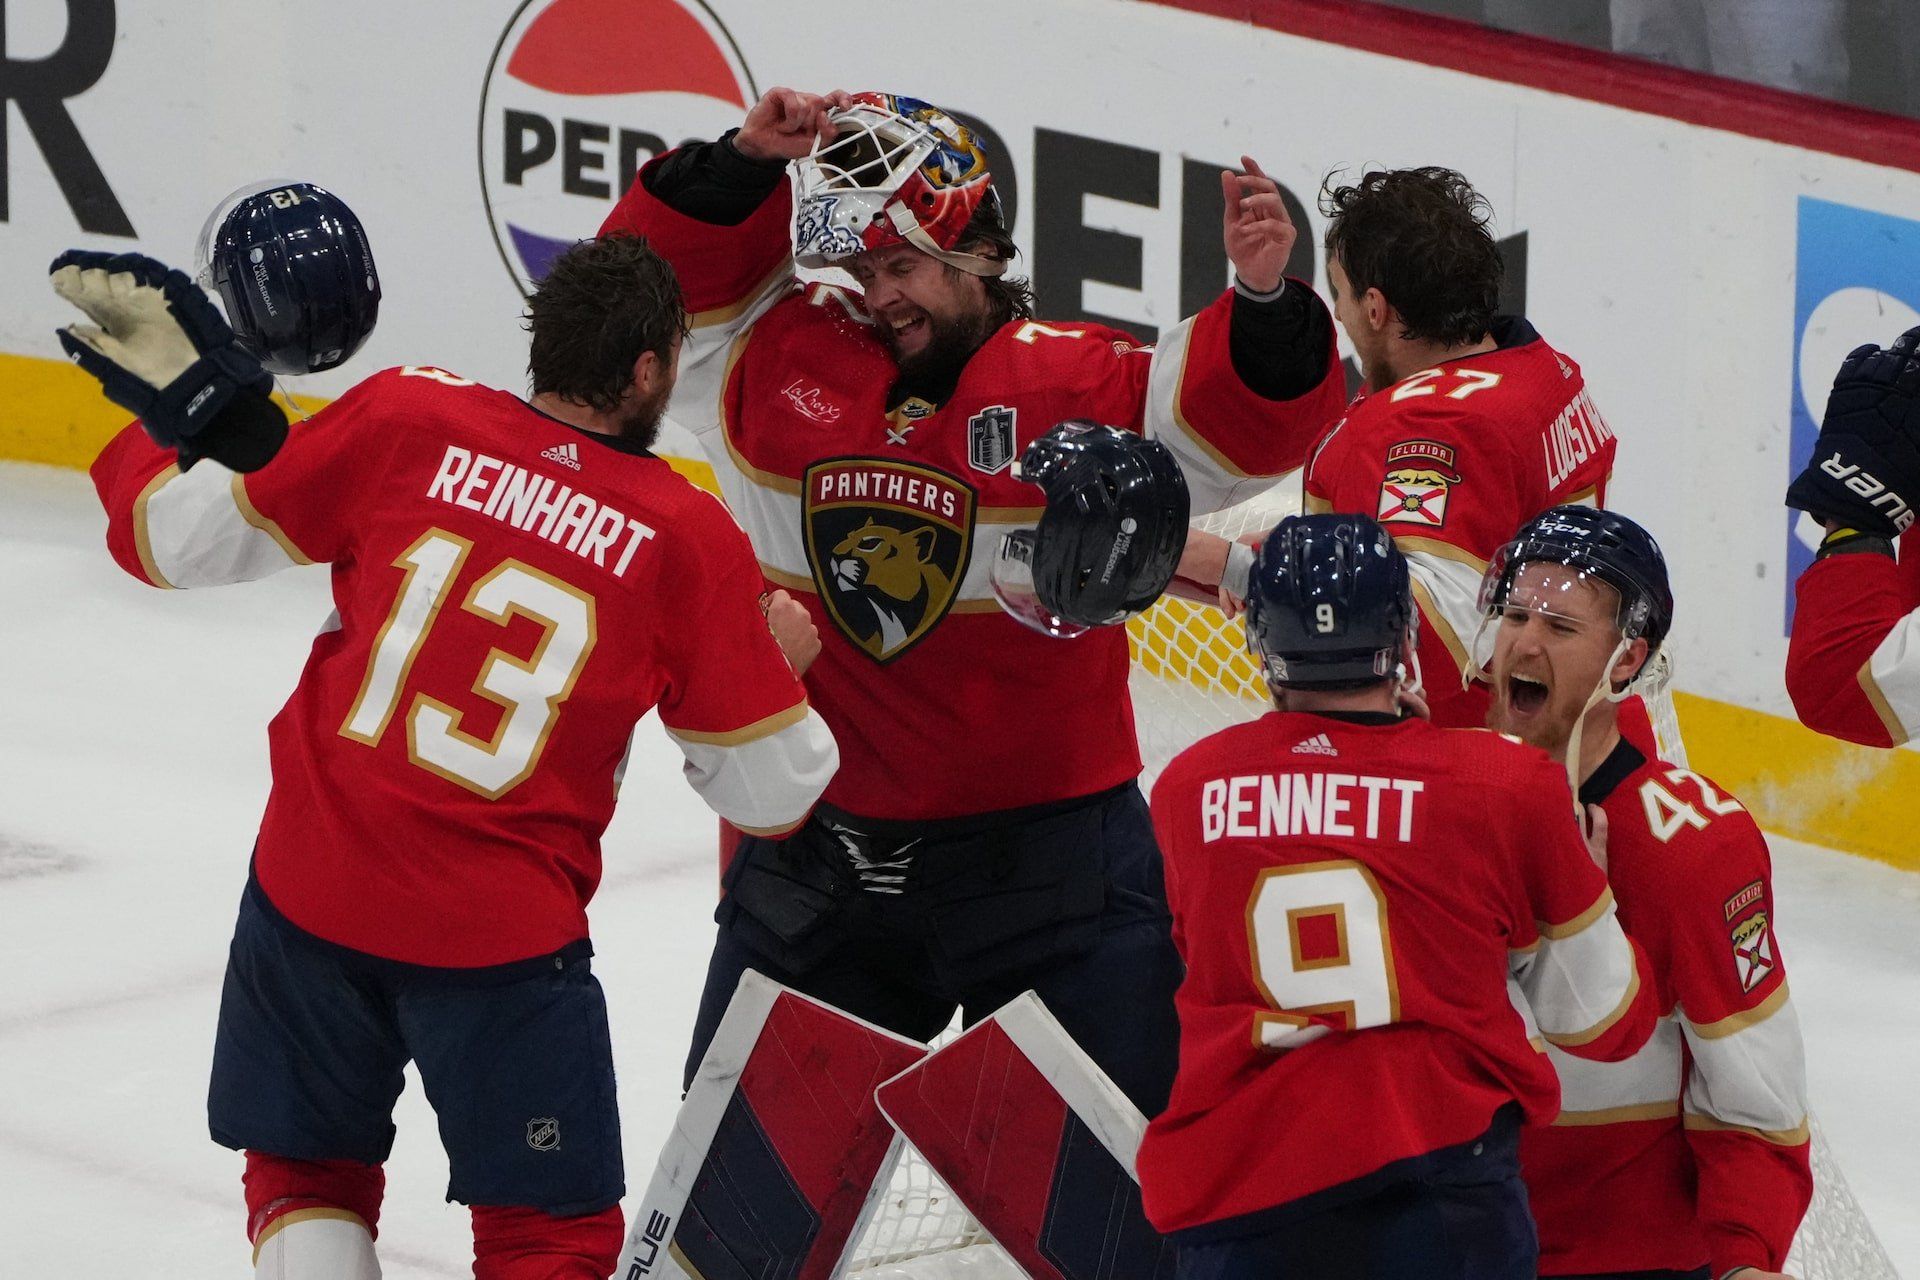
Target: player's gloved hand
{"points": [[1865, 472], [162, 351]]}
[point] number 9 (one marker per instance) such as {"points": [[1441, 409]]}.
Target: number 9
{"points": [[1323, 619], [1351, 983]]}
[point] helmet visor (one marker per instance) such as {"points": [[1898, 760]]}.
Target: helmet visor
{"points": [[1013, 587], [203, 250], [1569, 596]]}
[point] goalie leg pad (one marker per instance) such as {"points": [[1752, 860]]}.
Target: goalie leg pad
{"points": [[779, 1150], [1037, 1143]]}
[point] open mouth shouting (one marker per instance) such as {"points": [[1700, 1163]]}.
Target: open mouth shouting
{"points": [[1526, 696], [905, 333]]}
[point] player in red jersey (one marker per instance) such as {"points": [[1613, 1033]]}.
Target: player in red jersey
{"points": [[516, 582], [866, 439], [1853, 668], [1690, 1157], [1470, 423], [1382, 922]]}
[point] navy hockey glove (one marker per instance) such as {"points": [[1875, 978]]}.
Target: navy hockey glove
{"points": [[1865, 472], [162, 351]]}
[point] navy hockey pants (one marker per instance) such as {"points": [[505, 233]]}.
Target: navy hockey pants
{"points": [[1463, 1216], [515, 1058], [902, 929]]}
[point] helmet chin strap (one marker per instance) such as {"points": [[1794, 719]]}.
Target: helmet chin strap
{"points": [[1602, 692], [973, 264], [1408, 677]]}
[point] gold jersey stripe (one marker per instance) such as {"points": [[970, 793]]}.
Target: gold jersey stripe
{"points": [[1438, 624], [251, 514], [791, 581], [322, 1213], [732, 310], [1778, 1137], [1579, 923], [142, 542], [1881, 707], [1442, 550], [762, 728], [1733, 1022], [1619, 1115], [1600, 1028]]}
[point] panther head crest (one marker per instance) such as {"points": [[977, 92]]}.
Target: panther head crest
{"points": [[890, 572]]}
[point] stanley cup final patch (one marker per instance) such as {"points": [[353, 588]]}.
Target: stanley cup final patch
{"points": [[1753, 950], [990, 439], [888, 543], [1420, 478]]}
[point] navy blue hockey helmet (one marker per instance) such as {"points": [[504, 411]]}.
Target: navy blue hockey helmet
{"points": [[1330, 603], [291, 264], [1109, 538], [1603, 544]]}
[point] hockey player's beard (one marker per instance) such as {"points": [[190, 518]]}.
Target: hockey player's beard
{"points": [[931, 372], [641, 426]]}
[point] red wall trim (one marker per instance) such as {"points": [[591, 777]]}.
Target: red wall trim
{"points": [[1691, 97]]}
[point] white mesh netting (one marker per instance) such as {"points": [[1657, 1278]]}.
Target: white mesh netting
{"points": [[1192, 676]]}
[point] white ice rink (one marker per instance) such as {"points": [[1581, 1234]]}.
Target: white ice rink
{"points": [[132, 775]]}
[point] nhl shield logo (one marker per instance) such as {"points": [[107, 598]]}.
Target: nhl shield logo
{"points": [[990, 439], [543, 1134], [888, 544]]}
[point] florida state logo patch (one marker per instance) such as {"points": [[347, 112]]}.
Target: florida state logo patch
{"points": [[1420, 478], [888, 543], [1753, 950]]}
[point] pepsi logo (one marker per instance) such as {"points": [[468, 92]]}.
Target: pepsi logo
{"points": [[579, 95]]}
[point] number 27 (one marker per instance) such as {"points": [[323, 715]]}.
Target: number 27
{"points": [[1422, 383]]}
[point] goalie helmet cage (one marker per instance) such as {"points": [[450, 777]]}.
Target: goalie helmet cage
{"points": [[1191, 677]]}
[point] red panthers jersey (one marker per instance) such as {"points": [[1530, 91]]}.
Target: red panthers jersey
{"points": [[1452, 461], [1853, 668], [511, 595], [1694, 1150], [1383, 926], [886, 521]]}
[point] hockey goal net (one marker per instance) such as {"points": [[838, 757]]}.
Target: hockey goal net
{"points": [[1192, 676]]}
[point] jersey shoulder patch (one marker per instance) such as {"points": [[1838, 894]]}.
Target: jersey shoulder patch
{"points": [[1418, 483]]}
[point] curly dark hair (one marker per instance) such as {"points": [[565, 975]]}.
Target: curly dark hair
{"points": [[601, 304], [1010, 296], [1420, 237]]}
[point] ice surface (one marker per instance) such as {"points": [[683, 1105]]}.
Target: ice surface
{"points": [[132, 774]]}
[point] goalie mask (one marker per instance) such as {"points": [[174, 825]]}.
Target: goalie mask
{"points": [[898, 171], [1109, 538], [1330, 604], [291, 264]]}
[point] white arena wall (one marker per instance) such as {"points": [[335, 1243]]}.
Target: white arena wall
{"points": [[1697, 247]]}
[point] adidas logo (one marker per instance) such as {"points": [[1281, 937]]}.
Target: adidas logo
{"points": [[567, 455], [1318, 745]]}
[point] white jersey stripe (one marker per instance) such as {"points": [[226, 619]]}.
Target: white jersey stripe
{"points": [[1891, 679], [1754, 1078], [193, 532], [1650, 1079], [1213, 482], [767, 783], [1580, 983]]}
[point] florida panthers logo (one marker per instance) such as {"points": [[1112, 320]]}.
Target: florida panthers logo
{"points": [[888, 545]]}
